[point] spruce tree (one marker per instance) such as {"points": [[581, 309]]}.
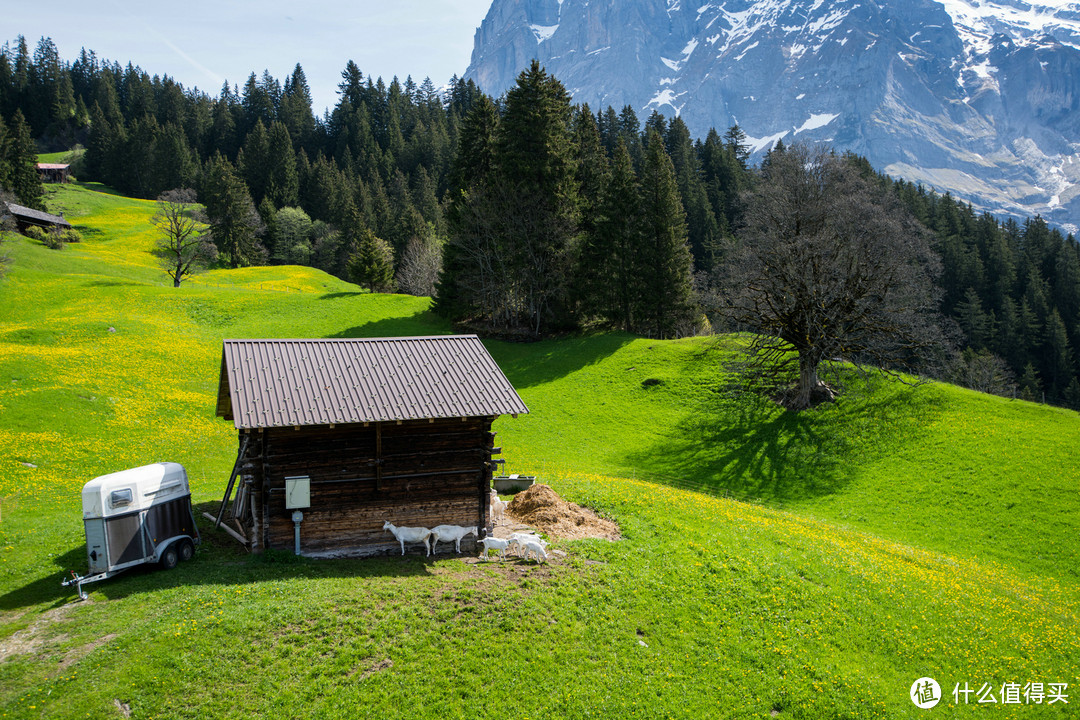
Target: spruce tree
{"points": [[234, 223], [611, 252], [537, 196], [282, 181], [22, 161], [373, 262], [666, 267]]}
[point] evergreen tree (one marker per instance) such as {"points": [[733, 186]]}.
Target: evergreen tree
{"points": [[1057, 357], [254, 161], [610, 259], [535, 171], [282, 181], [22, 164], [702, 227], [296, 111], [5, 161], [667, 302], [1030, 385], [234, 223], [373, 262]]}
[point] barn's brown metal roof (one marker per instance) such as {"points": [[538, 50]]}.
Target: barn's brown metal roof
{"points": [[278, 383]]}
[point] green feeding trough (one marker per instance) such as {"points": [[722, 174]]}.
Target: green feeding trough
{"points": [[509, 484]]}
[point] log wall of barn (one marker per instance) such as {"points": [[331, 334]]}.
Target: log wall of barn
{"points": [[418, 473]]}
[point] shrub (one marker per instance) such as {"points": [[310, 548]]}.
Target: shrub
{"points": [[72, 235], [35, 233], [55, 239]]}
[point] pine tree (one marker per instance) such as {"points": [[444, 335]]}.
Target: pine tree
{"points": [[667, 302]]}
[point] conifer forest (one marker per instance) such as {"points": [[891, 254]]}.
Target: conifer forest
{"points": [[522, 216]]}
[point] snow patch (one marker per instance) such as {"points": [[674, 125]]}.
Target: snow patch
{"points": [[668, 98], [764, 143], [816, 121], [543, 32]]}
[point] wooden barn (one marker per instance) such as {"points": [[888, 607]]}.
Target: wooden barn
{"points": [[25, 217], [54, 172], [352, 433]]}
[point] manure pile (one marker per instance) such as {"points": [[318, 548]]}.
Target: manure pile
{"points": [[542, 508]]}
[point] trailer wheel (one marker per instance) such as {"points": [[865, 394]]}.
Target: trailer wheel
{"points": [[187, 550], [169, 558]]}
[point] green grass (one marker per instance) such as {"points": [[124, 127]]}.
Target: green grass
{"points": [[898, 533]]}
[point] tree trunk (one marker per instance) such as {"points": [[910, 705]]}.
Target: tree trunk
{"points": [[811, 390]]}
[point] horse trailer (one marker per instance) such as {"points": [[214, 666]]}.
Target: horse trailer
{"points": [[136, 517]]}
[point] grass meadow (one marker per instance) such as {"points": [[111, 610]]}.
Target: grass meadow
{"points": [[772, 564]]}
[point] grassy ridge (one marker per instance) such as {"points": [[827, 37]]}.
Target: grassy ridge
{"points": [[926, 532]]}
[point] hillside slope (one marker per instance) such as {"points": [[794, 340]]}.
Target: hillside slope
{"points": [[892, 552]]}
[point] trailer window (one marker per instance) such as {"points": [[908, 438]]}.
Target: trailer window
{"points": [[119, 498]]}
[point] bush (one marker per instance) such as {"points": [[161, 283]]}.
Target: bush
{"points": [[55, 239], [72, 235], [35, 233]]}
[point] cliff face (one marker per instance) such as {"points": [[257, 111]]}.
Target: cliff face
{"points": [[978, 98]]}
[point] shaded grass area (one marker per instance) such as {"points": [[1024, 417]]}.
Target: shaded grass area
{"points": [[896, 553]]}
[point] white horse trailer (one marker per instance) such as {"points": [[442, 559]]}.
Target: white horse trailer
{"points": [[134, 517]]}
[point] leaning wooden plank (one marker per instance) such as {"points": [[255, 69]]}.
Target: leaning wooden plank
{"points": [[227, 529]]}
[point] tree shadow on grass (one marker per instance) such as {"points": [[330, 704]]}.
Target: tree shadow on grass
{"points": [[537, 363], [745, 446], [421, 322], [341, 295]]}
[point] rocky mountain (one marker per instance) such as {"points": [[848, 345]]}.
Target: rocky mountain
{"points": [[977, 97]]}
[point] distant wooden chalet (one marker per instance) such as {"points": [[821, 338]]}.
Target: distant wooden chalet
{"points": [[54, 172], [353, 433], [25, 217]]}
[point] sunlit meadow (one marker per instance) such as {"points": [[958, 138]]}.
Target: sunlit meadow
{"points": [[902, 533]]}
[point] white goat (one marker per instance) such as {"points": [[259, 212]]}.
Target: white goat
{"points": [[497, 505], [533, 547], [409, 534], [494, 543], [518, 540], [446, 533]]}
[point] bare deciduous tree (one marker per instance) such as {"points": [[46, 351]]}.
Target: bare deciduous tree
{"points": [[830, 268], [419, 269], [184, 245]]}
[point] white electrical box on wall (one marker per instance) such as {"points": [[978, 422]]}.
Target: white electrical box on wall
{"points": [[297, 492]]}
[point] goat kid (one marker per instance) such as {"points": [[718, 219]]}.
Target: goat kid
{"points": [[494, 543]]}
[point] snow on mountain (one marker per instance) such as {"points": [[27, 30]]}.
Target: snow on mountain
{"points": [[978, 97]]}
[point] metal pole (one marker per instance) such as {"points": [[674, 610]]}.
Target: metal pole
{"points": [[297, 518]]}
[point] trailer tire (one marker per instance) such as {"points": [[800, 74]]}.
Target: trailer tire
{"points": [[169, 558], [187, 550]]}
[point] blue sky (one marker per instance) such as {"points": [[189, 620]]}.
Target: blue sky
{"points": [[203, 43]]}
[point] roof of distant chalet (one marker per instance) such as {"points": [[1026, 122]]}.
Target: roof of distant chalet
{"points": [[36, 215], [53, 166], [281, 383]]}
